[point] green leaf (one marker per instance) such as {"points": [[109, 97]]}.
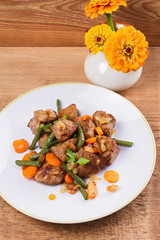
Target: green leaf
{"points": [[83, 161], [70, 159], [71, 155], [55, 121], [64, 116]]}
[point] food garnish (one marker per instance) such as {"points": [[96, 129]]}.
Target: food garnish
{"points": [[83, 161], [71, 155]]}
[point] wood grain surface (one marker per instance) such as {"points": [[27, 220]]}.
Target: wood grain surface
{"points": [[63, 22], [23, 69]]}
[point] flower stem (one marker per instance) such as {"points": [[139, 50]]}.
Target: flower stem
{"points": [[109, 17]]}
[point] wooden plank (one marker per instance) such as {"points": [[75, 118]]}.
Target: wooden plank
{"points": [[23, 69], [63, 22]]}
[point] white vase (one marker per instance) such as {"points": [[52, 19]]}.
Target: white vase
{"points": [[100, 73]]}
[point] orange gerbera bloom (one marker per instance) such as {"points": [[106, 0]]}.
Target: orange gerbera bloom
{"points": [[96, 7], [96, 37], [126, 49]]}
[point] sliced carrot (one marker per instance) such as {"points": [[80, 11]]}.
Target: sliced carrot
{"points": [[111, 176], [92, 189], [85, 117], [95, 150], [91, 140], [52, 159], [29, 172], [99, 131], [68, 178], [20, 145], [79, 119], [27, 155], [52, 196], [88, 148]]}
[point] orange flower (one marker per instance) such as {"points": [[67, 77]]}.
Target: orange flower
{"points": [[96, 7], [96, 37], [126, 49]]}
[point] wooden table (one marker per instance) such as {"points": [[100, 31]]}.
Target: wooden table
{"points": [[22, 69]]}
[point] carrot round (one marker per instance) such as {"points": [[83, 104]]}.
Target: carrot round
{"points": [[79, 118], [92, 189], [20, 145], [29, 172], [91, 140], [27, 155], [68, 178], [52, 196], [99, 131], [85, 117], [95, 150], [111, 176], [52, 159]]}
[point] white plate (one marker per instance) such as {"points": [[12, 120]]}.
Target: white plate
{"points": [[134, 165]]}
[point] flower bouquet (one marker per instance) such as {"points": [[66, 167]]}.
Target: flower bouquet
{"points": [[116, 57]]}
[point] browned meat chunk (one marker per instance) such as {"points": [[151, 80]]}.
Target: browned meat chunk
{"points": [[107, 148], [34, 125], [105, 121], [45, 116], [49, 175], [52, 116], [70, 112], [93, 167], [88, 127], [60, 149], [42, 139], [63, 129], [41, 116]]}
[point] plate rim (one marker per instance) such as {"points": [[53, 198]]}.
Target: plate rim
{"points": [[102, 215]]}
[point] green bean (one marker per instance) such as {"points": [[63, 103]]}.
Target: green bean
{"points": [[75, 177], [80, 136], [55, 142], [123, 143], [58, 105], [82, 191], [46, 128], [78, 112], [43, 150], [36, 156], [28, 163], [36, 137], [48, 125], [48, 141]]}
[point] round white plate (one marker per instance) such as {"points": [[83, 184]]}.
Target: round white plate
{"points": [[134, 165]]}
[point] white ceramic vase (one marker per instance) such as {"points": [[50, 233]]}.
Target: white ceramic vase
{"points": [[100, 73]]}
